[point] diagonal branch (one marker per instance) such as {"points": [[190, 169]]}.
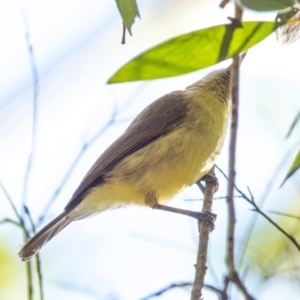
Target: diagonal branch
{"points": [[220, 293], [259, 211], [168, 288]]}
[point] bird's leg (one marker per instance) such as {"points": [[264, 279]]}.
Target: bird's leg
{"points": [[212, 179], [207, 216]]}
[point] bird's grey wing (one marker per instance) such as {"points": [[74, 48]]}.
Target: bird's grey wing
{"points": [[157, 119]]}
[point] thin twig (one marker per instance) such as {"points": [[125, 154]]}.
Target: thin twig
{"points": [[29, 279], [284, 214], [259, 211], [20, 223], [204, 230], [11, 203], [27, 212], [28, 266], [230, 257], [290, 237], [123, 41], [7, 220], [40, 277], [215, 198], [201, 186], [167, 288], [222, 295], [37, 258], [160, 292], [35, 79], [262, 200]]}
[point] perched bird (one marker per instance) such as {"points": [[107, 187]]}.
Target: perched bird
{"points": [[170, 145]]}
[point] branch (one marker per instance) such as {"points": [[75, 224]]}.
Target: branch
{"points": [[167, 288], [40, 277], [37, 257], [257, 209], [290, 237], [221, 294], [232, 151], [204, 230], [8, 197], [7, 220], [230, 257], [20, 223], [284, 214], [35, 79], [29, 280], [231, 180], [263, 198]]}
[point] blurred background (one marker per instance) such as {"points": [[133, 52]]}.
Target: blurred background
{"points": [[130, 253]]}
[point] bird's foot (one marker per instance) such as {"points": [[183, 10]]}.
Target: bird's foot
{"points": [[211, 179], [207, 217]]}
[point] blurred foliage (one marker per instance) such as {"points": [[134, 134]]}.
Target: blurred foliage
{"points": [[267, 5], [272, 253], [7, 267], [293, 125], [296, 163], [294, 167]]}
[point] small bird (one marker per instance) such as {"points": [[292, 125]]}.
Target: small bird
{"points": [[169, 146]]}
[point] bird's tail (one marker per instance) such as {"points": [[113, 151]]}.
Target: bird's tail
{"points": [[43, 236]]}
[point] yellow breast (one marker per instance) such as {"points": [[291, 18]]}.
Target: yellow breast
{"points": [[166, 165], [177, 159]]}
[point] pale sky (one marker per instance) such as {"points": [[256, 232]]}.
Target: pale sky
{"points": [[132, 252]]}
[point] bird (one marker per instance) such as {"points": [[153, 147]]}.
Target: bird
{"points": [[169, 146]]}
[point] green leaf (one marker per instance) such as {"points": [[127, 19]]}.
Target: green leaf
{"points": [[193, 51], [267, 5], [295, 166], [128, 10], [293, 125]]}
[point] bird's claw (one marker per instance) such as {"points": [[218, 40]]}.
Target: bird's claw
{"points": [[206, 217], [211, 179]]}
